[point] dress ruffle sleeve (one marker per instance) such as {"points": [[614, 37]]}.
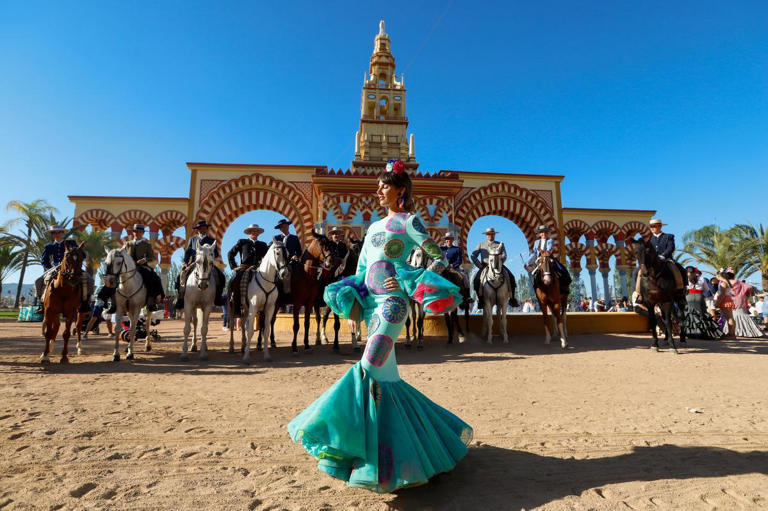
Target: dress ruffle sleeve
{"points": [[435, 293], [341, 295]]}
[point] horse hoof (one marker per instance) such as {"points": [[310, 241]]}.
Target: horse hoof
{"points": [[336, 349], [273, 345], [259, 348], [307, 349], [356, 349], [462, 339], [129, 356], [64, 360], [674, 351], [231, 350], [204, 357], [184, 357], [193, 349], [80, 352], [246, 361], [267, 359], [148, 347], [116, 357], [45, 361], [654, 348], [294, 349], [408, 346]]}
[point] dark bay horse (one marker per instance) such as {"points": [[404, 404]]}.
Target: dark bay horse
{"points": [[350, 268], [658, 287], [308, 282], [63, 297], [553, 296]]}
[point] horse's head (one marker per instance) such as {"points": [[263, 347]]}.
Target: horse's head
{"points": [[280, 256], [72, 264], [419, 258], [355, 246], [321, 249], [115, 261], [204, 258], [494, 258], [644, 251]]}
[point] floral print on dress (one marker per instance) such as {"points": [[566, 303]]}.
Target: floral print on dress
{"points": [[397, 223], [394, 248], [377, 349], [377, 274]]}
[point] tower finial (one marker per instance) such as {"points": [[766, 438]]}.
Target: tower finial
{"points": [[381, 27]]}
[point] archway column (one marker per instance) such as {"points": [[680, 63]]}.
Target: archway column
{"points": [[605, 271]]}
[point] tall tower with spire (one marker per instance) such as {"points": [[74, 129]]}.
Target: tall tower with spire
{"points": [[383, 121]]}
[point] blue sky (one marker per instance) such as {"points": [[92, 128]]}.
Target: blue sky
{"points": [[647, 105]]}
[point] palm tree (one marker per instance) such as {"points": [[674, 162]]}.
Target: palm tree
{"points": [[95, 243], [716, 248], [40, 236], [10, 260], [29, 213], [754, 243]]}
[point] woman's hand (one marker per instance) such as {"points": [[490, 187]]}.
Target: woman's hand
{"points": [[391, 284]]}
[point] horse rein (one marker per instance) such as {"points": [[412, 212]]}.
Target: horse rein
{"points": [[120, 277]]}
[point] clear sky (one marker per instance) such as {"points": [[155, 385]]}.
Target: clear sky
{"points": [[645, 105]]}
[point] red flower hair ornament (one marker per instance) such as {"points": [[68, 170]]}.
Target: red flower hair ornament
{"points": [[396, 165]]}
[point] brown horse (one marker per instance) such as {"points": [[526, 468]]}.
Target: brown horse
{"points": [[552, 296], [308, 281], [62, 298]]}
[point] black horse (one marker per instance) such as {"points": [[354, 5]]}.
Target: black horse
{"points": [[658, 286], [350, 268]]}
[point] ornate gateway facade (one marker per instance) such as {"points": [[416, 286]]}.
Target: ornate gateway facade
{"points": [[314, 196]]}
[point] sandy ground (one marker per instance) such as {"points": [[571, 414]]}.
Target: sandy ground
{"points": [[606, 425]]}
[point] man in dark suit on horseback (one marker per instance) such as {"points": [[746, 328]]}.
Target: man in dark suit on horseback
{"points": [[142, 253], [251, 251], [664, 244], [545, 246], [196, 241], [340, 249], [480, 260], [53, 254]]}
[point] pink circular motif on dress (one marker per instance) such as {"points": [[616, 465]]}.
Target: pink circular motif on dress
{"points": [[378, 272], [397, 223], [377, 349]]}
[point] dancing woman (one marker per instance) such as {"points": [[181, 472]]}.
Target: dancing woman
{"points": [[371, 428]]}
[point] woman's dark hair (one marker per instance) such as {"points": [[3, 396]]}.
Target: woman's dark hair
{"points": [[402, 180]]}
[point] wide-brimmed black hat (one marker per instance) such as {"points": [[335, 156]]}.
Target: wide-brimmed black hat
{"points": [[543, 228], [201, 223], [283, 221], [139, 227]]}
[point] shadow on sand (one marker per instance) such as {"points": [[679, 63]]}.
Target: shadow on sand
{"points": [[496, 478]]}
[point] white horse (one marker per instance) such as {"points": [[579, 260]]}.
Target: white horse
{"points": [[495, 292], [130, 296], [198, 300], [262, 297]]}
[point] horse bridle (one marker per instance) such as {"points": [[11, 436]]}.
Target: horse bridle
{"points": [[326, 263], [71, 276], [285, 265], [493, 272], [205, 277], [120, 275]]}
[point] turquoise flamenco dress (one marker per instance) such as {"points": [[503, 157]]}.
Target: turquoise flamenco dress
{"points": [[371, 428]]}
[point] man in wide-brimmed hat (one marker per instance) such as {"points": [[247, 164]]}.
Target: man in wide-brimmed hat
{"points": [[190, 253], [251, 251], [291, 241], [545, 245], [340, 249], [480, 259], [664, 244], [141, 251], [53, 254]]}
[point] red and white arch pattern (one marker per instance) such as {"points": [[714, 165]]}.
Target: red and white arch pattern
{"points": [[443, 206], [526, 209], [100, 219], [133, 216], [251, 192], [170, 220]]}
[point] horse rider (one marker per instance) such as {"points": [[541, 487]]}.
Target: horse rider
{"points": [[480, 260], [196, 241], [291, 241], [544, 246], [340, 249], [53, 254], [664, 244], [251, 251], [143, 254], [452, 254]]}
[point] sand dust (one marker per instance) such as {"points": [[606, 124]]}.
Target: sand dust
{"points": [[607, 425]]}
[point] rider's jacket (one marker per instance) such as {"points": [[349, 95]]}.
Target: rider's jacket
{"points": [[251, 252], [453, 254], [291, 242], [480, 255], [195, 242], [664, 244], [142, 249], [53, 253]]}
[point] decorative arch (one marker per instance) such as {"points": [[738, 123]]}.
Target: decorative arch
{"points": [[575, 251], [575, 229], [442, 204], [604, 251], [97, 218], [251, 192], [631, 228], [523, 207], [170, 220], [604, 229], [332, 202], [133, 216]]}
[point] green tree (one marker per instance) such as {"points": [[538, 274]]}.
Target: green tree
{"points": [[10, 260], [716, 248], [753, 241], [95, 244], [29, 213]]}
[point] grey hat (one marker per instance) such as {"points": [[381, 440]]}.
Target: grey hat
{"points": [[543, 228], [335, 229], [56, 228], [449, 234], [253, 227], [491, 230]]}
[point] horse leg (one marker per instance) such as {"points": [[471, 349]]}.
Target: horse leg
{"points": [[670, 335], [652, 322], [563, 312], [294, 348], [681, 312], [79, 332], [249, 334], [51, 331], [187, 327], [501, 310], [547, 333], [420, 326], [318, 324], [272, 342], [194, 330], [462, 337], [118, 329], [354, 327], [408, 326], [65, 336], [269, 310], [307, 318], [326, 314], [242, 334], [336, 328], [488, 317], [147, 343], [449, 327], [230, 326], [204, 333], [133, 317]]}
